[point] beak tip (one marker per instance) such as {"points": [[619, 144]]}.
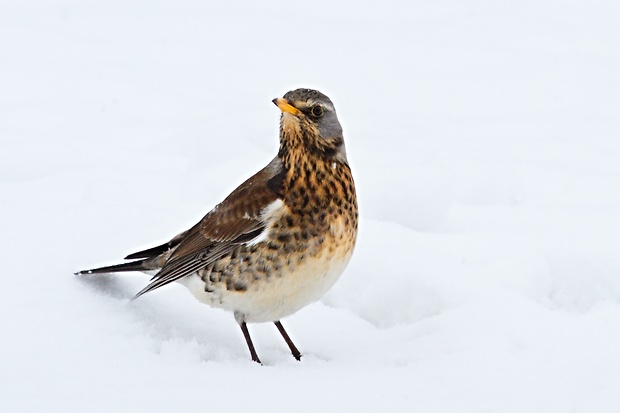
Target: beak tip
{"points": [[284, 106]]}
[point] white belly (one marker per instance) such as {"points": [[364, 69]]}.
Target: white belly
{"points": [[275, 298]]}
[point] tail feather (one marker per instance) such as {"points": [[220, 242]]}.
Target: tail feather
{"points": [[158, 250], [128, 266], [149, 253]]}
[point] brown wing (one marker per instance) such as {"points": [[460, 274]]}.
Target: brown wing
{"points": [[236, 220]]}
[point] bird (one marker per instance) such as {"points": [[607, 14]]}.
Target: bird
{"points": [[281, 239]]}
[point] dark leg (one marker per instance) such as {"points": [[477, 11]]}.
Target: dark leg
{"points": [[288, 340], [248, 340]]}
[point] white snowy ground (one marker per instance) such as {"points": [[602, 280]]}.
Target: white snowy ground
{"points": [[485, 140]]}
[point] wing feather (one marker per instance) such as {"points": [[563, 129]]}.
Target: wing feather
{"points": [[240, 218]]}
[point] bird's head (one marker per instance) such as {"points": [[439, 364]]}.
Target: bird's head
{"points": [[309, 123]]}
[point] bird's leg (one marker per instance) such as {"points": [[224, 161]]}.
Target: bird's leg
{"points": [[248, 340], [288, 340]]}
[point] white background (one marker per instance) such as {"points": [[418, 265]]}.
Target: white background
{"points": [[484, 139]]}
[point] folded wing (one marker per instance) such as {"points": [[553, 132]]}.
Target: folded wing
{"points": [[241, 218]]}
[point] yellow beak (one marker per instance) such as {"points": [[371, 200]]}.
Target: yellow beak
{"points": [[285, 106]]}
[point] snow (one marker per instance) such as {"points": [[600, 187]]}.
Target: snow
{"points": [[484, 142]]}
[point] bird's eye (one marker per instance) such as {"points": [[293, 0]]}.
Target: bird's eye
{"points": [[317, 111]]}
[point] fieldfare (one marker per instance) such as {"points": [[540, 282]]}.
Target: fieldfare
{"points": [[281, 239]]}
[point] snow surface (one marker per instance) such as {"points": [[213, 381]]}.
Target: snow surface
{"points": [[484, 138]]}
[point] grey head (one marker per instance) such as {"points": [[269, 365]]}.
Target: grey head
{"points": [[311, 114]]}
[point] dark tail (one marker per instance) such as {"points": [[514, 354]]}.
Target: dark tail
{"points": [[150, 253], [128, 266], [158, 250]]}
